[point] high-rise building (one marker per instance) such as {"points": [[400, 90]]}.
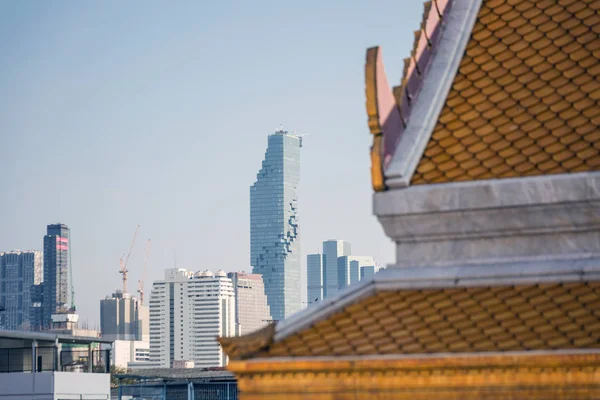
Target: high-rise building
{"points": [[123, 317], [349, 269], [274, 235], [19, 271], [55, 292], [251, 309], [314, 278], [368, 271], [188, 311], [332, 249]]}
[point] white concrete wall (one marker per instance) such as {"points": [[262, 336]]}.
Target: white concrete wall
{"points": [[54, 385], [25, 385], [71, 385]]}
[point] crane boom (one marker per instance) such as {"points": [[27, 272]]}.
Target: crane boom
{"points": [[141, 281], [123, 269]]}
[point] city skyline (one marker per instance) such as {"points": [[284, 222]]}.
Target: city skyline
{"points": [[116, 121]]}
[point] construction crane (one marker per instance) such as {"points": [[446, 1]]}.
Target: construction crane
{"points": [[123, 264], [141, 281]]}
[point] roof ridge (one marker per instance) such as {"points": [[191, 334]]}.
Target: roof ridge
{"points": [[415, 66]]}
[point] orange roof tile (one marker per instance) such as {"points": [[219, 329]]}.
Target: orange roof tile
{"points": [[525, 91], [523, 317], [525, 99]]}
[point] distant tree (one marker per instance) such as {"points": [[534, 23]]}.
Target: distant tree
{"points": [[114, 382]]}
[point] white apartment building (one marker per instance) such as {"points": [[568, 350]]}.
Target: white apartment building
{"points": [[188, 311]]}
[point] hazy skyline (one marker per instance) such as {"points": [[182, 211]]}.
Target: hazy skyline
{"points": [[115, 114]]}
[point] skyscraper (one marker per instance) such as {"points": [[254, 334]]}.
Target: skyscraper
{"points": [[55, 290], [332, 249], [188, 311], [251, 309], [19, 271], [368, 271], [314, 278], [274, 235], [350, 267]]}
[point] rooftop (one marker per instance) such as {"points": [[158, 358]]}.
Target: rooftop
{"points": [[492, 89], [444, 309], [179, 374], [50, 337]]}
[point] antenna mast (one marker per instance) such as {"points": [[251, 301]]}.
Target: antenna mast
{"points": [[141, 281], [73, 308]]}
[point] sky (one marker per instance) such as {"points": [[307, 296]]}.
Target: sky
{"points": [[114, 114]]}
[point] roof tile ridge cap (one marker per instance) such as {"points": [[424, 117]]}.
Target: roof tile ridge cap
{"points": [[458, 17], [245, 346], [428, 32]]}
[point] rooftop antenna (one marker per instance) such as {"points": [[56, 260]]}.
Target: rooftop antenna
{"points": [[301, 136]]}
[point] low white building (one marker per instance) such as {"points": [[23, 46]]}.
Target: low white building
{"points": [[188, 311], [41, 365], [130, 351]]}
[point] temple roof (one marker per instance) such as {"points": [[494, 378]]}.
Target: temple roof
{"points": [[523, 100], [443, 310]]}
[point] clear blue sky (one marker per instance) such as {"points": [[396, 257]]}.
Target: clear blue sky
{"points": [[118, 113]]}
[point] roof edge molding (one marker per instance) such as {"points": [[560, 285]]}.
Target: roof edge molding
{"points": [[455, 33], [383, 114], [489, 221]]}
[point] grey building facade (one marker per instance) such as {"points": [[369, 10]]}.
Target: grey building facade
{"points": [[332, 250], [55, 289], [19, 272], [274, 234], [123, 317], [314, 278]]}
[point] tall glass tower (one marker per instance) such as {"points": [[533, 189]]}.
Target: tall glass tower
{"points": [[56, 272], [274, 235]]}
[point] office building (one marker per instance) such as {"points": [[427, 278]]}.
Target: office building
{"points": [[188, 311], [332, 249], [251, 308], [368, 271], [349, 269], [123, 317], [314, 278], [19, 271], [274, 235], [55, 288]]}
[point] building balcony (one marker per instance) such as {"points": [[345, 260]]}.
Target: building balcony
{"points": [[47, 365]]}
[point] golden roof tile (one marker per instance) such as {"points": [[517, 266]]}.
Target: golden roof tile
{"points": [[530, 80], [521, 317]]}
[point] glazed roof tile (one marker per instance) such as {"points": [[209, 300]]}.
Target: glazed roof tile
{"points": [[525, 99], [546, 309]]}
